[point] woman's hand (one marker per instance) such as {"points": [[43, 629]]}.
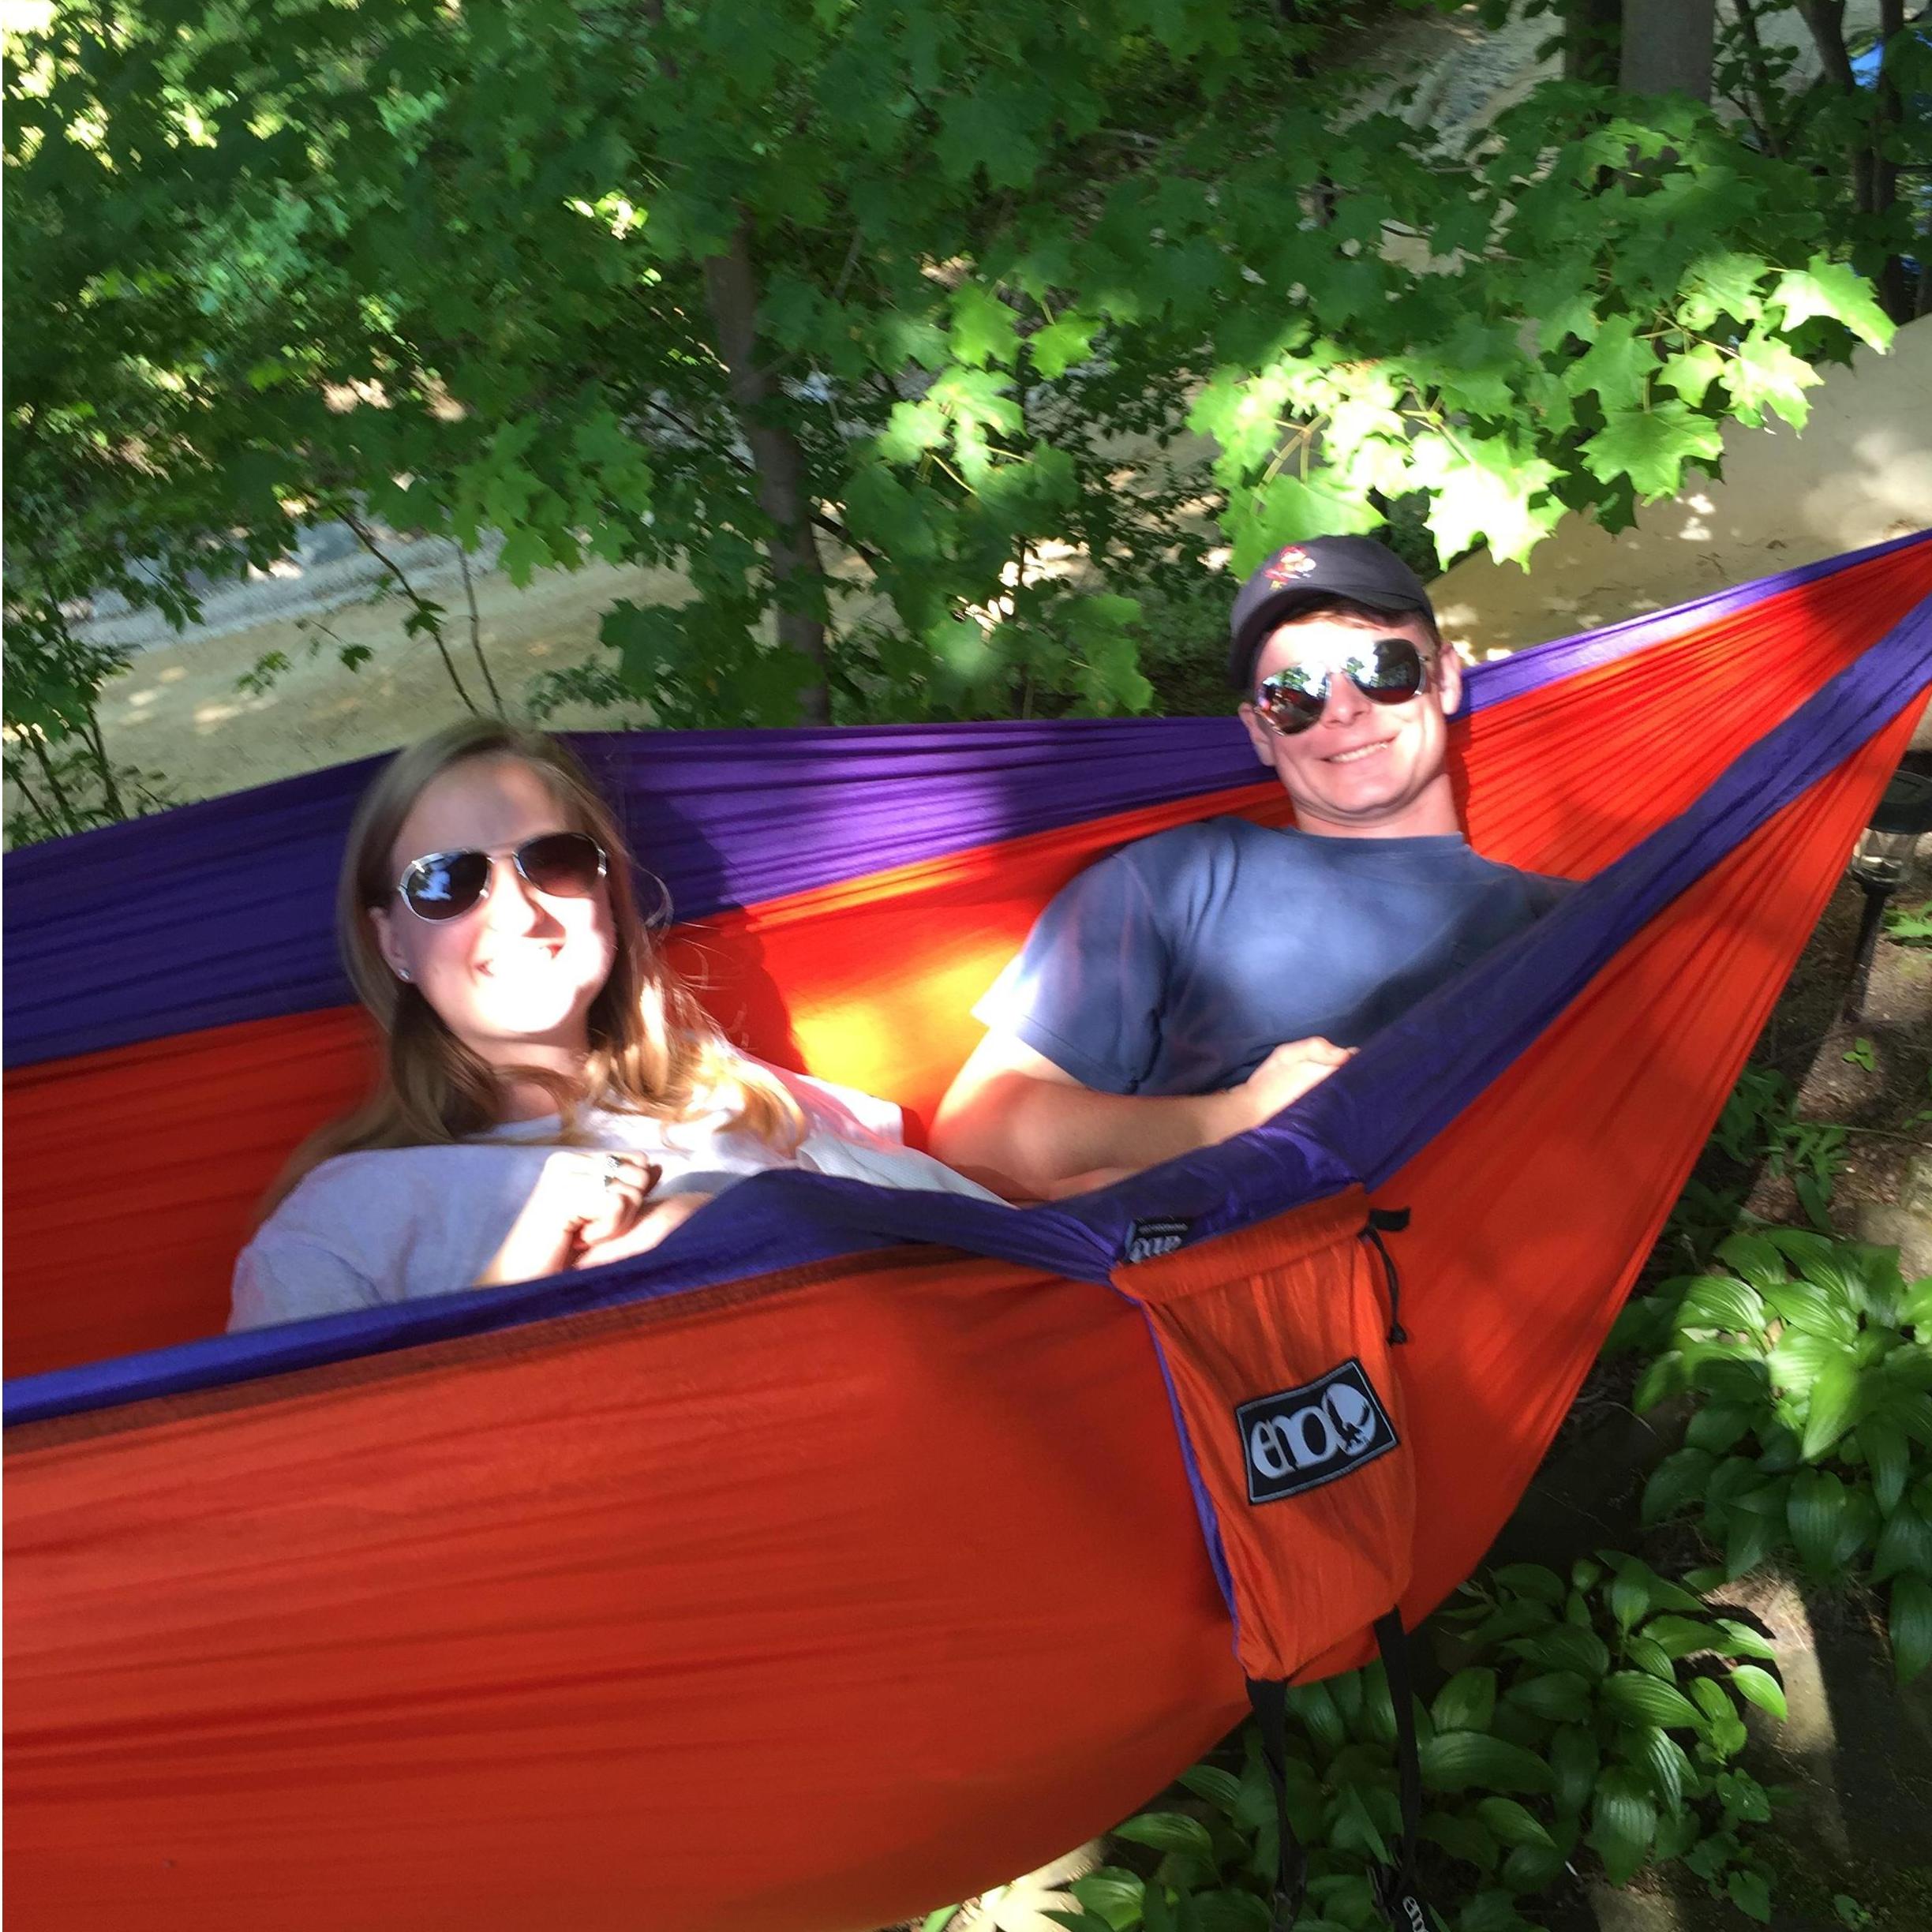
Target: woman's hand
{"points": [[582, 1197], [657, 1221]]}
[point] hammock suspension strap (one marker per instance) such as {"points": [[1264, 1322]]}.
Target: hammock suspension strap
{"points": [[1269, 1696], [1396, 1893]]}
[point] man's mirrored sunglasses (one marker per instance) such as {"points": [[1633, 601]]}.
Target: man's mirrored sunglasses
{"points": [[1391, 671], [444, 886]]}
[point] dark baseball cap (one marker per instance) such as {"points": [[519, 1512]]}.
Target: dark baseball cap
{"points": [[1356, 567]]}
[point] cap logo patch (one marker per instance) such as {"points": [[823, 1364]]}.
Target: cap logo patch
{"points": [[1286, 565]]}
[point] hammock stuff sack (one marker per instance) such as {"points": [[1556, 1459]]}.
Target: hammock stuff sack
{"points": [[858, 1549]]}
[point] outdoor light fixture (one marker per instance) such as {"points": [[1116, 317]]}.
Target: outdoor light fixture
{"points": [[1878, 863]]}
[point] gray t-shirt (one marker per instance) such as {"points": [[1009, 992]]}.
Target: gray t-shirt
{"points": [[1178, 964], [398, 1223]]}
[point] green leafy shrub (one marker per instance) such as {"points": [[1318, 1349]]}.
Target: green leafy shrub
{"points": [[1910, 924], [1622, 1688], [1759, 1129], [1760, 1124], [1809, 1362], [1598, 1714]]}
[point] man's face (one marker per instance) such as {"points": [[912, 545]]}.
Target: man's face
{"points": [[1363, 769]]}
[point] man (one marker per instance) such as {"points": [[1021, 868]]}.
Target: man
{"points": [[1191, 985]]}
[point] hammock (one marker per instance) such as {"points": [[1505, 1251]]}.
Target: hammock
{"points": [[837, 1559]]}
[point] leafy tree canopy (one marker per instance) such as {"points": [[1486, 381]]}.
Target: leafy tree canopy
{"points": [[887, 321]]}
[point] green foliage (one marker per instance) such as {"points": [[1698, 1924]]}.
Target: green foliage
{"points": [[1760, 1124], [1810, 1361], [882, 324], [1758, 1129], [1595, 1715], [1625, 1686], [1859, 142], [1909, 925]]}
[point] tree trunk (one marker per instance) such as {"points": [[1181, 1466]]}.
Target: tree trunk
{"points": [[731, 293], [1894, 289], [1593, 39], [1764, 93], [1874, 179], [1667, 47], [1825, 18]]}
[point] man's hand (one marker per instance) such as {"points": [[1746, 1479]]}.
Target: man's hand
{"points": [[1027, 1128], [1283, 1077]]}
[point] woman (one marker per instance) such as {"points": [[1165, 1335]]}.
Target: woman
{"points": [[554, 1096]]}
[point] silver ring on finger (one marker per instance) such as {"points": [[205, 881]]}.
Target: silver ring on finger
{"points": [[613, 1170]]}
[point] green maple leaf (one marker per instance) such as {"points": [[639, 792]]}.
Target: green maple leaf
{"points": [[881, 511], [1651, 446], [1366, 439], [1489, 489], [1830, 290], [1692, 373], [903, 338], [912, 428], [983, 328], [1286, 507], [985, 130], [1056, 347], [1561, 298], [1476, 362], [524, 553], [1483, 486], [1243, 414], [1614, 366], [1766, 375], [976, 399], [1720, 283], [1463, 227], [787, 313]]}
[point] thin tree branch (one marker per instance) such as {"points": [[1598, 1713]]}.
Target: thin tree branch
{"points": [[110, 791], [36, 744], [476, 629], [18, 779], [365, 537]]}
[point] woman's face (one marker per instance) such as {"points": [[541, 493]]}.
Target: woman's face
{"points": [[514, 977]]}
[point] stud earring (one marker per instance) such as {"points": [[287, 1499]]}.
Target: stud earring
{"points": [[407, 977]]}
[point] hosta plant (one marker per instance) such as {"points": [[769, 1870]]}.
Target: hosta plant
{"points": [[1810, 1361], [1622, 1689], [1594, 1714]]}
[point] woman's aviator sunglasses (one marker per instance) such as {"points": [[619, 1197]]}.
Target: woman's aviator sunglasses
{"points": [[1391, 671], [444, 886]]}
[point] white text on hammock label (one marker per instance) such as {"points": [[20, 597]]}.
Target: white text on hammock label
{"points": [[1309, 1435], [1146, 1239]]}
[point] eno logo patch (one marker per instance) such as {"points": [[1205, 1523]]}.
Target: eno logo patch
{"points": [[1146, 1239], [1309, 1435]]}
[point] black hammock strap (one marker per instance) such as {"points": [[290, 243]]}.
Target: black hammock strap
{"points": [[1397, 1896]]}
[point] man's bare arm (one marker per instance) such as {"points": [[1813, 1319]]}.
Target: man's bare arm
{"points": [[1017, 1123]]}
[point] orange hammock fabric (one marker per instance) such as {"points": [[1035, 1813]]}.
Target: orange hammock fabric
{"points": [[814, 1600]]}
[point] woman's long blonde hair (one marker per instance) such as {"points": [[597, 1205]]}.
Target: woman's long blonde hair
{"points": [[653, 1049]]}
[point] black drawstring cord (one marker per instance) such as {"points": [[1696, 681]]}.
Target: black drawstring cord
{"points": [[1389, 1220]]}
